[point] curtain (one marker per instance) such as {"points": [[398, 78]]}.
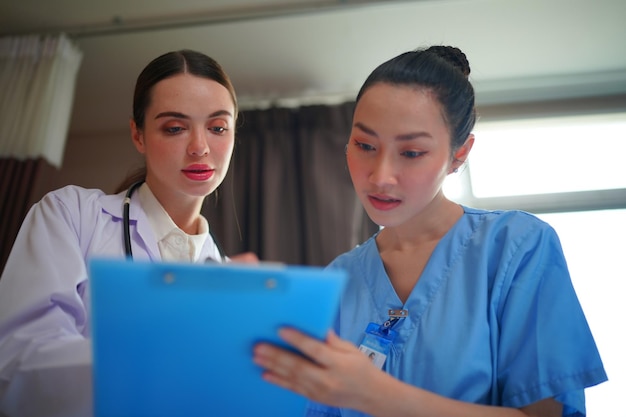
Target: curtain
{"points": [[16, 186], [37, 78], [288, 195]]}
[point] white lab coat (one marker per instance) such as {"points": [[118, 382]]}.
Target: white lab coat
{"points": [[45, 351]]}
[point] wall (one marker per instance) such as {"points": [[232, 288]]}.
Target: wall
{"points": [[97, 160]]}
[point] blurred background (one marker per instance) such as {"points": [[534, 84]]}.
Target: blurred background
{"points": [[550, 81]]}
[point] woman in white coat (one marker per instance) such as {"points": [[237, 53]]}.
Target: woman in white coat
{"points": [[184, 114]]}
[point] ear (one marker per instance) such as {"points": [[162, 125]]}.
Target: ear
{"points": [[137, 137], [461, 154]]}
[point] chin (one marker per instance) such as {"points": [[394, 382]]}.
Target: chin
{"points": [[382, 220], [200, 190]]}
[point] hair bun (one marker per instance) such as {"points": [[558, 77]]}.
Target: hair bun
{"points": [[452, 55]]}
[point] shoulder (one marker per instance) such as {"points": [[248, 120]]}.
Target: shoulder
{"points": [[517, 249], [507, 240], [503, 216], [74, 193], [512, 224], [70, 196], [74, 199]]}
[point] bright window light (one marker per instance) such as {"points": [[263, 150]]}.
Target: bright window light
{"points": [[548, 155]]}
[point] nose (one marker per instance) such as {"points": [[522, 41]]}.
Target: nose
{"points": [[383, 171], [198, 143]]}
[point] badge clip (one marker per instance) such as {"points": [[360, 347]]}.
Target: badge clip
{"points": [[398, 314]]}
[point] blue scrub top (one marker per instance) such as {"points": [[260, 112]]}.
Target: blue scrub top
{"points": [[494, 318]]}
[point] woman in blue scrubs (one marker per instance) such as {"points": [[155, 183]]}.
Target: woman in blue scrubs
{"points": [[184, 114], [468, 312]]}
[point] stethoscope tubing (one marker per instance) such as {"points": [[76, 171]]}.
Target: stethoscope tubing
{"points": [[126, 225], [126, 219]]}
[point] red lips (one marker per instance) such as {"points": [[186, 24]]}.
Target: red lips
{"points": [[198, 172]]}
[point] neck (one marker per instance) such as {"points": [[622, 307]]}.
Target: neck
{"points": [[187, 223], [184, 210]]}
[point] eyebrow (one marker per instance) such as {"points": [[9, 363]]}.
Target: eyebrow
{"points": [[184, 116], [402, 137]]}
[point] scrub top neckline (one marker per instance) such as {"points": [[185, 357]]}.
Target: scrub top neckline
{"points": [[444, 255]]}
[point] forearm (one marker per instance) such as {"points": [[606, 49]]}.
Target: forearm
{"points": [[390, 397]]}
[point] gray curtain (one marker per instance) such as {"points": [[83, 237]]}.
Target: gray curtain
{"points": [[17, 179], [288, 195]]}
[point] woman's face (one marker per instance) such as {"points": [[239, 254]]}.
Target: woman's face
{"points": [[399, 152], [188, 137]]}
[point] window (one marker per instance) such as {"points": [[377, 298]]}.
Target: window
{"points": [[553, 155], [569, 171]]}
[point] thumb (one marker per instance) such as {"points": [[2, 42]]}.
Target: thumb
{"points": [[336, 342]]}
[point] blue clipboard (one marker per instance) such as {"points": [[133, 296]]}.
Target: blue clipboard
{"points": [[176, 339]]}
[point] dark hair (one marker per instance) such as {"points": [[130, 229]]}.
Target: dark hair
{"points": [[444, 70], [170, 64], [165, 66]]}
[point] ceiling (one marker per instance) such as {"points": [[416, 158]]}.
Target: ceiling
{"points": [[293, 52]]}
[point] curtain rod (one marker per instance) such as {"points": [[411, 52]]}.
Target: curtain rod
{"points": [[120, 26]]}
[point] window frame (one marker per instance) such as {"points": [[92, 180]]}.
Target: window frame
{"points": [[549, 202]]}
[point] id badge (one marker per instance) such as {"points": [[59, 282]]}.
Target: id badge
{"points": [[377, 342]]}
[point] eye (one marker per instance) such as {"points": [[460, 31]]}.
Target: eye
{"points": [[173, 130], [217, 126], [412, 154], [364, 146], [218, 129]]}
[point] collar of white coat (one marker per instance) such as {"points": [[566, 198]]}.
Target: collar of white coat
{"points": [[174, 244]]}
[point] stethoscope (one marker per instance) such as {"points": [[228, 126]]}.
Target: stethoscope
{"points": [[126, 225]]}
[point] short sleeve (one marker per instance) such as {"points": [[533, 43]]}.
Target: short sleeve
{"points": [[546, 348]]}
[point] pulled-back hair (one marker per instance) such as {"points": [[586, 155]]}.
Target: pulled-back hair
{"points": [[170, 64], [444, 71]]}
